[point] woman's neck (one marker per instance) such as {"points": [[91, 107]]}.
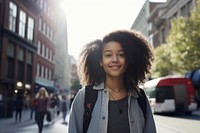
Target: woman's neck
{"points": [[115, 84], [116, 88]]}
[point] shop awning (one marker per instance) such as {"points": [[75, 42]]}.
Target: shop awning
{"points": [[48, 87]]}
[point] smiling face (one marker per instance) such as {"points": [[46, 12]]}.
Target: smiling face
{"points": [[113, 60]]}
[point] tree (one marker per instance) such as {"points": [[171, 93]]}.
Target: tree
{"points": [[162, 65], [183, 45], [75, 86]]}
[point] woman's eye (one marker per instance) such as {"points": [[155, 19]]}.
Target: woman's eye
{"points": [[108, 55], [121, 54]]}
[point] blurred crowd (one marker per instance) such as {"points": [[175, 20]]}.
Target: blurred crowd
{"points": [[42, 105]]}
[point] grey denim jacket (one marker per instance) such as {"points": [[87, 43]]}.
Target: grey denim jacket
{"points": [[99, 121]]}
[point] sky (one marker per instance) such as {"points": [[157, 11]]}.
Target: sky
{"points": [[88, 20]]}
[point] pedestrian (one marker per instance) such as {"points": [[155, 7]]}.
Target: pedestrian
{"points": [[41, 107], [114, 66], [32, 108], [52, 103], [19, 103], [71, 99], [64, 107]]}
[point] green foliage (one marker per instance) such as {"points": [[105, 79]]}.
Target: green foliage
{"points": [[162, 62], [182, 50], [76, 86]]}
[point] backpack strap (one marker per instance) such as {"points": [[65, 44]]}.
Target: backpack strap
{"points": [[90, 100], [142, 102]]}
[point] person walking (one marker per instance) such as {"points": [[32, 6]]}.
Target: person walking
{"points": [[19, 103], [41, 107], [114, 67], [32, 108], [52, 107], [64, 107]]}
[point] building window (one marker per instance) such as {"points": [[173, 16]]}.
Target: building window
{"points": [[45, 7], [10, 61], [46, 73], [10, 67], [52, 57], [20, 64], [150, 26], [42, 71], [12, 16], [22, 23], [48, 11], [38, 70], [39, 47], [50, 74], [29, 57], [190, 6], [47, 52], [21, 54], [20, 71], [29, 73], [11, 50], [50, 53], [184, 12], [41, 3], [163, 35], [48, 33], [30, 29], [51, 34], [43, 50], [40, 24], [150, 38], [44, 27]]}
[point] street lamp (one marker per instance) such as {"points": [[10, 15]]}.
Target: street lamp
{"points": [[28, 86], [19, 84]]}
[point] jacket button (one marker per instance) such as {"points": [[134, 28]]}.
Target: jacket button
{"points": [[105, 91], [103, 117]]}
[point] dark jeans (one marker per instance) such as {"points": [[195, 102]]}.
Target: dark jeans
{"points": [[32, 113], [18, 115], [64, 114], [40, 120]]}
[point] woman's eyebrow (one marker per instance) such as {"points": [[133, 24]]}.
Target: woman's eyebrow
{"points": [[107, 51]]}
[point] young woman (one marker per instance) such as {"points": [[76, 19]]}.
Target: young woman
{"points": [[41, 107], [114, 67]]}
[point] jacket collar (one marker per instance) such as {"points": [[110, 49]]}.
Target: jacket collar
{"points": [[101, 86]]}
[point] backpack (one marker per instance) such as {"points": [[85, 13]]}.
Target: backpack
{"points": [[90, 100]]}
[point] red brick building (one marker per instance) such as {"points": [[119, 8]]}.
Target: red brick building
{"points": [[27, 49]]}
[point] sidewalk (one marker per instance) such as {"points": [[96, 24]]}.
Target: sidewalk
{"points": [[8, 125]]}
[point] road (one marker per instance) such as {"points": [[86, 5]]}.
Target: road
{"points": [[178, 123]]}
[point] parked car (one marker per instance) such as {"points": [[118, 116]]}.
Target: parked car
{"points": [[194, 75]]}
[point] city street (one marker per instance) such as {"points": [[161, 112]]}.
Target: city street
{"points": [[168, 123], [8, 125], [178, 123]]}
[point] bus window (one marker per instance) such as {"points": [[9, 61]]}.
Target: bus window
{"points": [[151, 93], [164, 92]]}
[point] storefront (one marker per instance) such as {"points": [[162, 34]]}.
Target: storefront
{"points": [[49, 87]]}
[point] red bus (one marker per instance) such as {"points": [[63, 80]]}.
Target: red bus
{"points": [[171, 94]]}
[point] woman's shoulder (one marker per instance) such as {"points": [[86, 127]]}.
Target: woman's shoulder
{"points": [[81, 91]]}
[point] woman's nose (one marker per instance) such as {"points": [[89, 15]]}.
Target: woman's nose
{"points": [[114, 58]]}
